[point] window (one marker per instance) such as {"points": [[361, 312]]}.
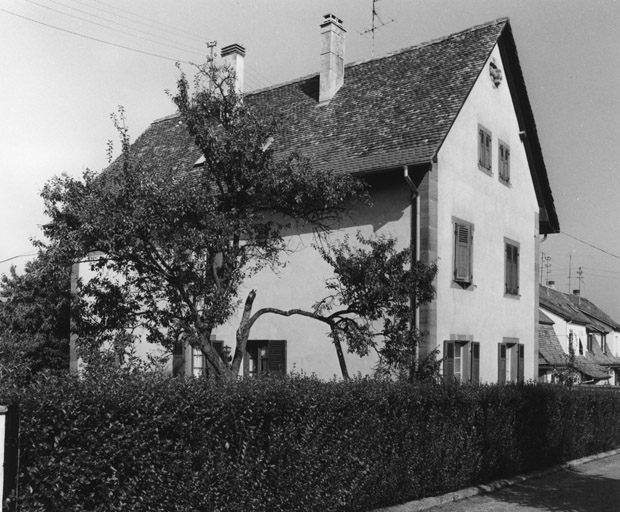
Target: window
{"points": [[463, 252], [264, 356], [484, 149], [590, 341], [199, 361], [503, 163], [604, 343], [461, 360], [511, 279], [511, 362]]}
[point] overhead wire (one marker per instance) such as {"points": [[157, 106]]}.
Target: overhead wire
{"points": [[92, 38]]}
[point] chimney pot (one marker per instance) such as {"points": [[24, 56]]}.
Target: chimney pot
{"points": [[576, 292], [332, 57]]}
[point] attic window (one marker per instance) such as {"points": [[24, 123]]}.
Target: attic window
{"points": [[200, 162], [496, 74]]}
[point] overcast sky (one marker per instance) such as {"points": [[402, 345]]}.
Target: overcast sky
{"points": [[66, 65]]}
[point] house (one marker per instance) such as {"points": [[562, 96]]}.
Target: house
{"points": [[445, 136], [571, 323]]}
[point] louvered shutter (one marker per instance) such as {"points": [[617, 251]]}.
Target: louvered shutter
{"points": [[501, 363], [448, 358], [521, 369], [487, 151], [512, 269], [462, 257], [475, 362], [276, 355]]}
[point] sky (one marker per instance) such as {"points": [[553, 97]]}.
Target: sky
{"points": [[67, 65]]}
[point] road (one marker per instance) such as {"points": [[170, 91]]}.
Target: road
{"points": [[590, 487]]}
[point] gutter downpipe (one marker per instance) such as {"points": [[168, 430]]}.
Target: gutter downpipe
{"points": [[414, 250]]}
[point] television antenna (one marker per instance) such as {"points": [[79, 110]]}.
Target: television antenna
{"points": [[376, 26]]}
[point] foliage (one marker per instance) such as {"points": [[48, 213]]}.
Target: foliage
{"points": [[138, 441], [168, 250], [34, 322], [371, 303]]}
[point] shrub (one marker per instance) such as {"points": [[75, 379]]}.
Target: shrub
{"points": [[143, 442]]}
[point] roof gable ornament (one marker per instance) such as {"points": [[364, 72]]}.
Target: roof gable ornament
{"points": [[495, 74]]}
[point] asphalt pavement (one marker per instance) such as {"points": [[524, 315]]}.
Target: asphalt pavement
{"points": [[591, 484]]}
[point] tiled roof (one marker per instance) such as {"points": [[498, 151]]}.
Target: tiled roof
{"points": [[550, 351], [560, 303], [590, 368], [544, 319], [599, 318], [391, 111]]}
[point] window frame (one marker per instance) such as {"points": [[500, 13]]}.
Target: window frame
{"points": [[463, 254], [510, 361], [468, 360], [272, 361], [485, 150], [503, 162], [512, 268]]}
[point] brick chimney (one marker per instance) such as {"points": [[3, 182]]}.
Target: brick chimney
{"points": [[234, 57], [332, 57]]}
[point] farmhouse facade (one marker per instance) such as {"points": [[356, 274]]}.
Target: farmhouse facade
{"points": [[444, 134]]}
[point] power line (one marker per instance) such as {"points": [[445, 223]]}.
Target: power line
{"points": [[19, 256], [94, 38], [186, 49], [590, 245]]}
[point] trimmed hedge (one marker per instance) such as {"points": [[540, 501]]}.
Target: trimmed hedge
{"points": [[136, 442]]}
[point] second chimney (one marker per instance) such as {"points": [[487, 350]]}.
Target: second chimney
{"points": [[332, 57], [234, 57]]}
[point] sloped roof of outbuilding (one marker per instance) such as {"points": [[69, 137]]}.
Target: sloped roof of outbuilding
{"points": [[550, 351], [560, 303], [600, 319], [391, 111]]}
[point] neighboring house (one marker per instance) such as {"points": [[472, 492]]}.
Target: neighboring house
{"points": [[571, 322], [444, 134]]}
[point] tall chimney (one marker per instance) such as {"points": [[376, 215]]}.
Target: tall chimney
{"points": [[332, 57], [234, 57]]}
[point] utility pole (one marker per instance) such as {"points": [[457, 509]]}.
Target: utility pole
{"points": [[579, 278], [570, 261]]}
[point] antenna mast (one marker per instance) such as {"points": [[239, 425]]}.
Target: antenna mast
{"points": [[374, 27]]}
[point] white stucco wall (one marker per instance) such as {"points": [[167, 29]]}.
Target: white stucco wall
{"points": [[563, 329], [300, 283], [497, 212]]}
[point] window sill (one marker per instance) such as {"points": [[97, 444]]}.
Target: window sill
{"points": [[515, 296], [488, 172], [463, 286], [505, 183]]}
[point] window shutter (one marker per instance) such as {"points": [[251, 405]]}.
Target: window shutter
{"points": [[475, 362], [276, 356], [460, 369], [218, 345], [462, 257], [512, 269], [514, 363], [501, 363], [487, 151], [481, 139], [448, 358], [521, 362], [178, 359]]}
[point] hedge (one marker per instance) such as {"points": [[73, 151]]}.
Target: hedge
{"points": [[139, 442]]}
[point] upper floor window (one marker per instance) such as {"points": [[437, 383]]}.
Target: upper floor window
{"points": [[511, 280], [463, 252], [484, 149], [503, 163], [461, 360]]}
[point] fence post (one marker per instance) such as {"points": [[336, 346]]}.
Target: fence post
{"points": [[9, 427]]}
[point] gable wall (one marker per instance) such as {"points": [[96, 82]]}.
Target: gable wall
{"points": [[497, 212], [562, 329]]}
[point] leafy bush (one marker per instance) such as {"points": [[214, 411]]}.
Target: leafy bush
{"points": [[134, 441]]}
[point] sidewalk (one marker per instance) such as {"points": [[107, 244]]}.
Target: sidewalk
{"points": [[591, 484]]}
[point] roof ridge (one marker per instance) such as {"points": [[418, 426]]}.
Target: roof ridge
{"points": [[424, 44]]}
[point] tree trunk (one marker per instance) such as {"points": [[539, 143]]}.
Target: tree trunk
{"points": [[243, 332], [338, 345]]}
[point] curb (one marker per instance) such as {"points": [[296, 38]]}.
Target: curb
{"points": [[468, 492]]}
